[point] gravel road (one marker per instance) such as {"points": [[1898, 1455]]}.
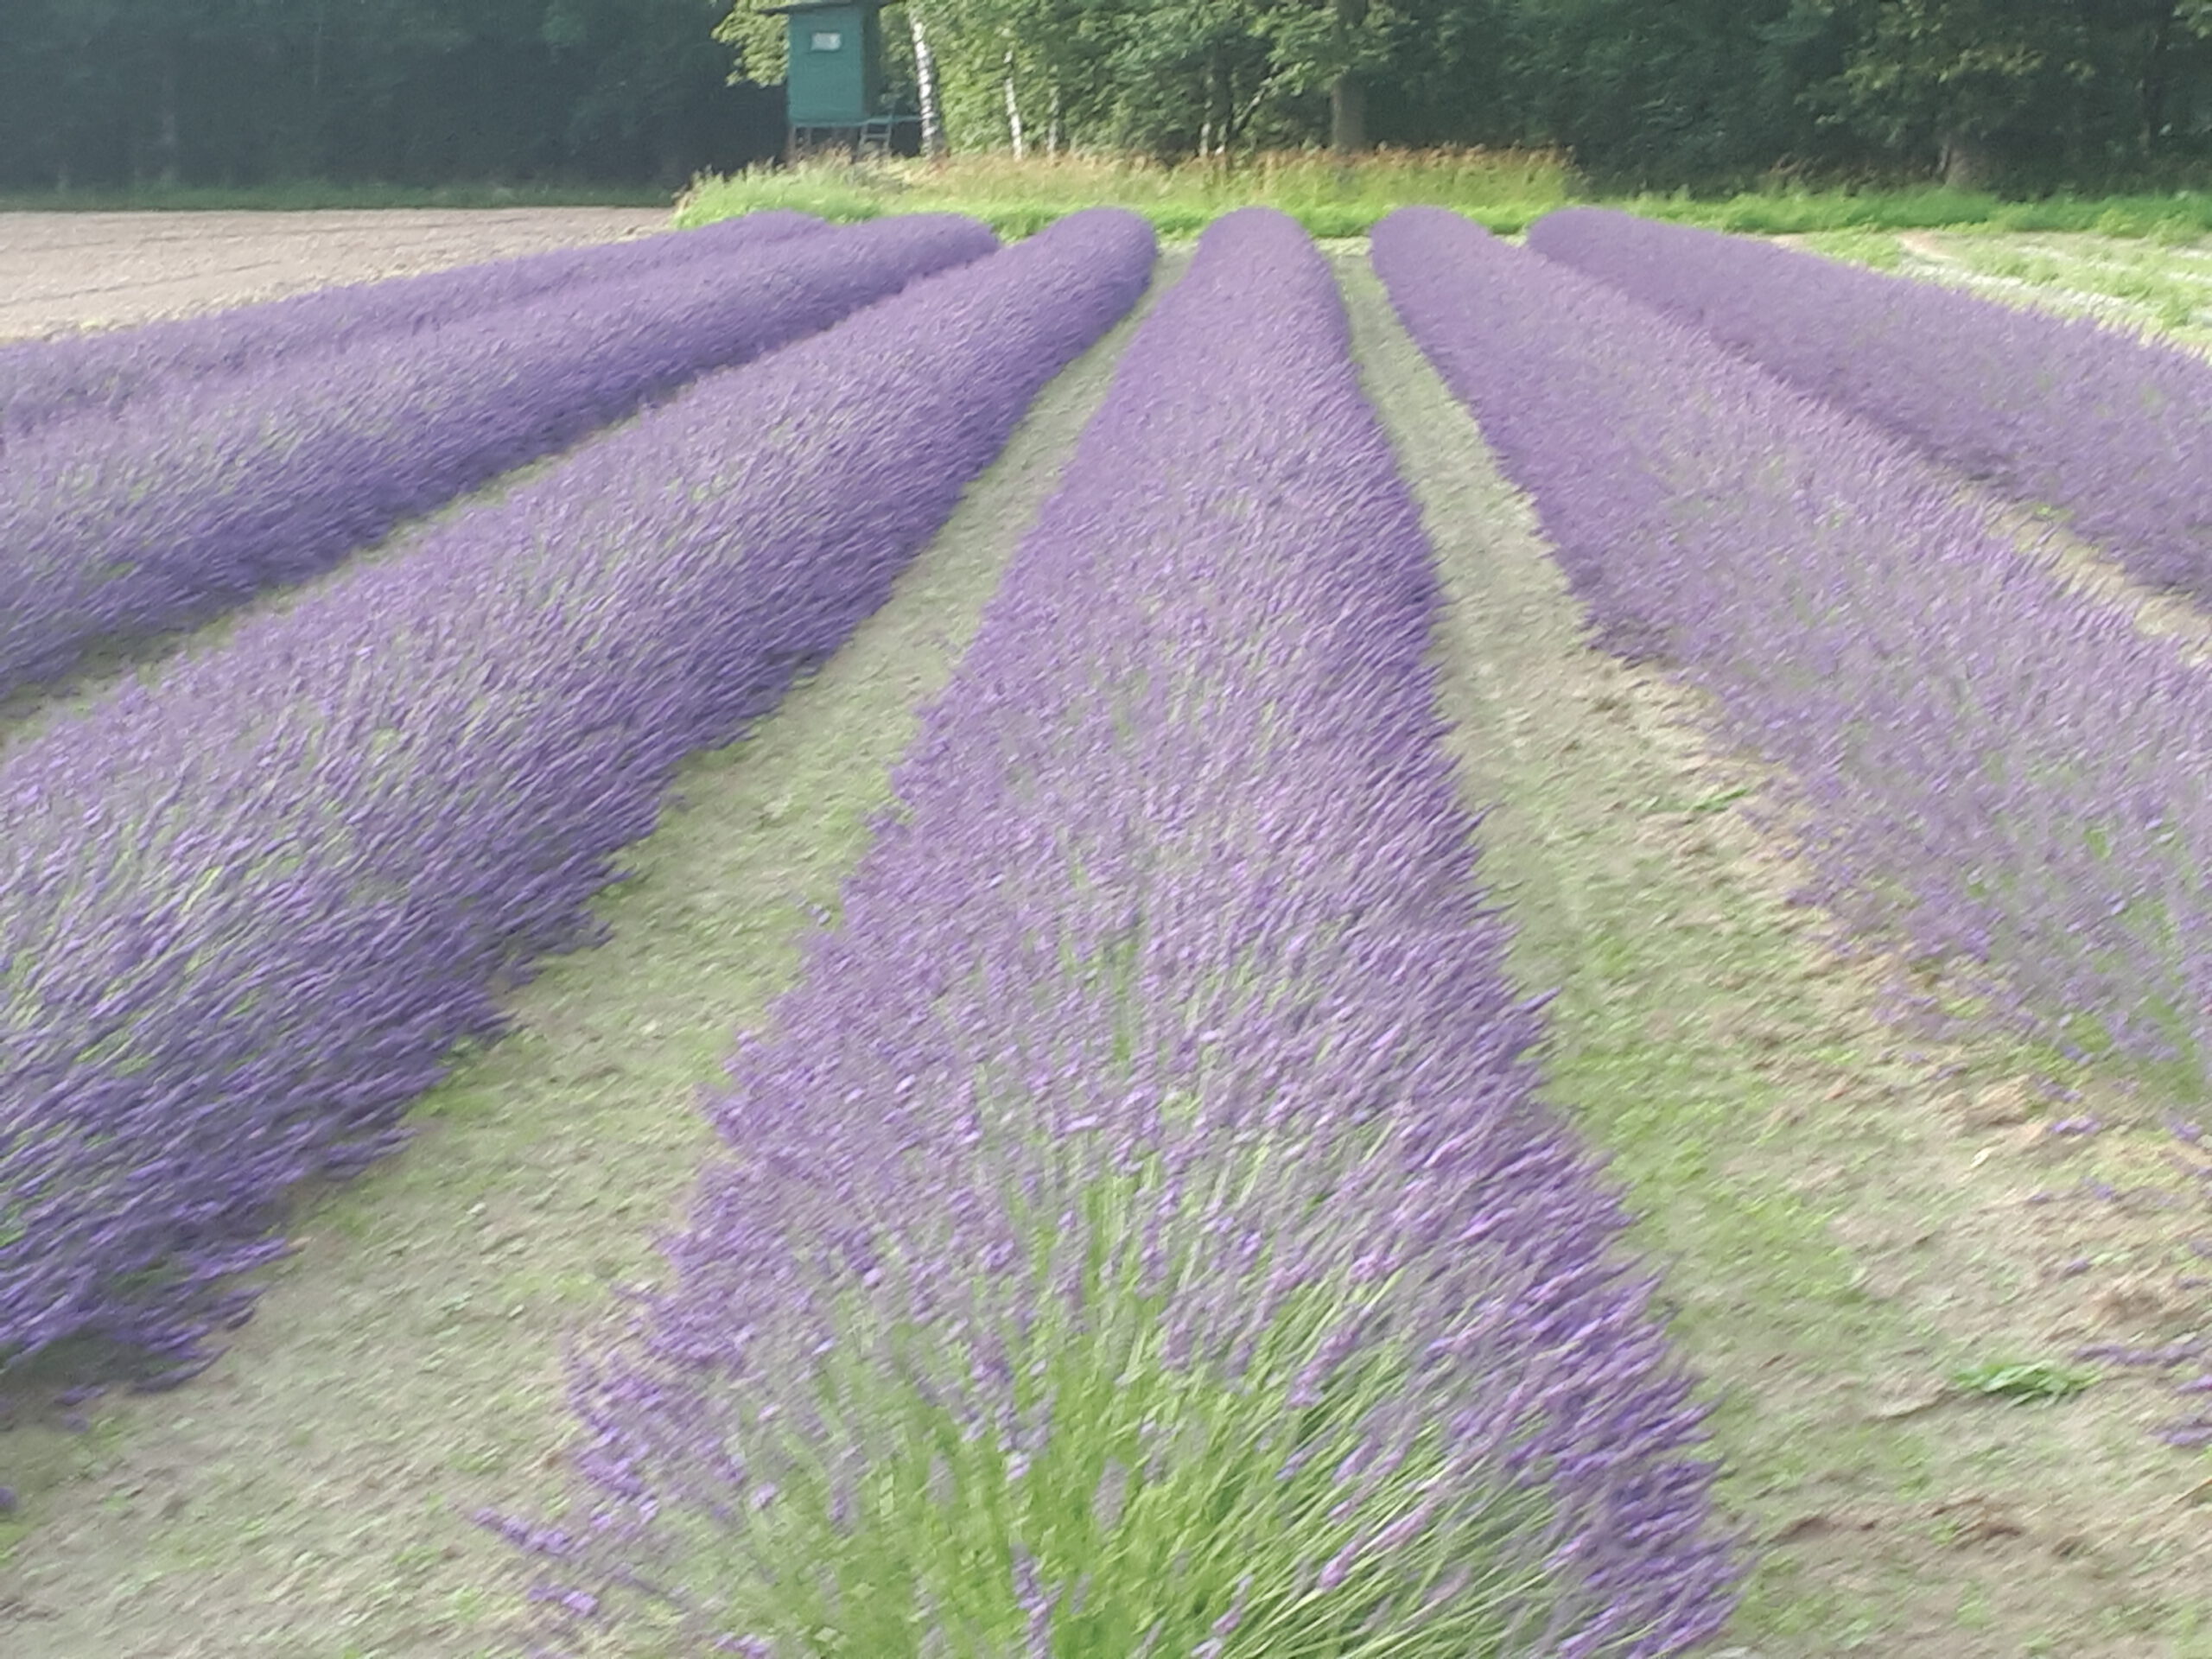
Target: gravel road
{"points": [[61, 272]]}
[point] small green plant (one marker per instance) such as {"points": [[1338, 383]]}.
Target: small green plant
{"points": [[1157, 1493], [1879, 249], [2034, 1379], [1719, 802]]}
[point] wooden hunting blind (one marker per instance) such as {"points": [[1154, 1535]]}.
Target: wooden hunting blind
{"points": [[832, 87]]}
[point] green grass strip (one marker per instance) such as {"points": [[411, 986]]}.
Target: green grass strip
{"points": [[310, 1498], [1832, 1257]]}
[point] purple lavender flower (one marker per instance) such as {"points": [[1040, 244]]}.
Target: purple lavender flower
{"points": [[248, 909], [1161, 1112], [1998, 770], [116, 524], [2097, 420], [45, 379]]}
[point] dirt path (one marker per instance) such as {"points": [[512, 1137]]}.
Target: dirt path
{"points": [[1841, 1211], [2040, 531], [2094, 573], [1939, 257], [307, 1498], [61, 271]]}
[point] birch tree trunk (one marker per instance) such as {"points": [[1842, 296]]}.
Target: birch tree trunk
{"points": [[926, 82], [1014, 110], [1965, 163], [1220, 97]]}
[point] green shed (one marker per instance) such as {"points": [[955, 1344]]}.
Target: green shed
{"points": [[833, 88]]}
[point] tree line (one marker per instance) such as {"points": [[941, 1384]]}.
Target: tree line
{"points": [[1652, 92], [242, 94]]}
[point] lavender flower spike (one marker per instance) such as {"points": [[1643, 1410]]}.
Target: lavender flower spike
{"points": [[1995, 769], [2114, 429], [1159, 1121], [118, 524], [247, 911]]}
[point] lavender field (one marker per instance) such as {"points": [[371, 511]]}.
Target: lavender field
{"points": [[1429, 948]]}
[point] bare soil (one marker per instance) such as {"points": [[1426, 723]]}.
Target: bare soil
{"points": [[2094, 572], [1847, 1210], [60, 272], [308, 1497]]}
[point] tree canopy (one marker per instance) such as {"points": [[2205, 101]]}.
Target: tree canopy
{"points": [[640, 92], [246, 92], [1645, 91]]}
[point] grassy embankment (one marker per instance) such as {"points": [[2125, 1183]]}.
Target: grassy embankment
{"points": [[1504, 189], [2162, 286]]}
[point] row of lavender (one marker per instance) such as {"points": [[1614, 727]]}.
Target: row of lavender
{"points": [[246, 910], [1139, 1234], [2115, 429], [43, 380], [1994, 767], [116, 524]]}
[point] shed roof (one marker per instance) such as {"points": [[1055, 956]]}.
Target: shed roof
{"points": [[825, 5]]}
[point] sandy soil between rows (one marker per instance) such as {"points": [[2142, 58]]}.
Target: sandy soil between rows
{"points": [[1842, 1210], [310, 1498], [64, 271], [1844, 1205]]}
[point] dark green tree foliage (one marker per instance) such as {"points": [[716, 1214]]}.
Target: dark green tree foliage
{"points": [[2092, 92], [1179, 77], [1959, 78], [1643, 93], [241, 92], [1652, 92], [1451, 78], [1190, 77]]}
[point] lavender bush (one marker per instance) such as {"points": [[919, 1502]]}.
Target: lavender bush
{"points": [[1995, 768], [247, 911], [174, 507], [2115, 429], [1139, 1235], [42, 380]]}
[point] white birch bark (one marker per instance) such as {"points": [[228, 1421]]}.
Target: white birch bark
{"points": [[1014, 110], [926, 80]]}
